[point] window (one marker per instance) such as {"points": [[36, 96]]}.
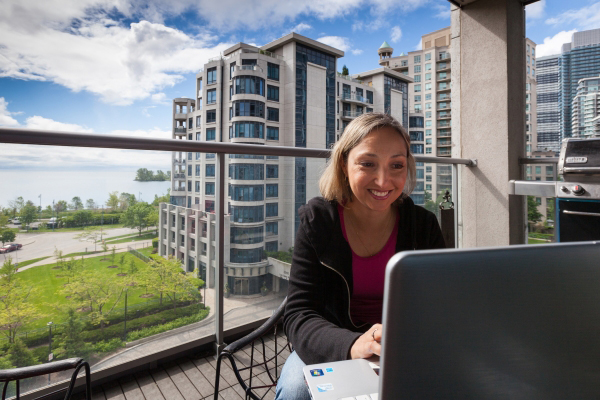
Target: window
{"points": [[210, 169], [428, 178], [428, 123], [272, 133], [271, 209], [428, 76], [198, 155], [549, 170], [417, 88], [210, 156], [428, 150], [211, 96], [273, 71], [272, 190], [417, 108], [189, 189], [247, 213], [246, 171], [272, 93], [417, 59], [230, 92], [427, 56], [538, 170], [247, 129], [249, 108], [231, 70], [416, 148], [272, 171], [417, 69], [209, 206], [418, 97], [428, 141], [249, 85], [428, 96], [197, 184], [427, 132], [428, 114], [369, 97], [190, 156], [198, 136], [247, 192], [428, 168], [415, 122], [272, 228], [211, 75], [242, 235], [197, 169], [428, 67], [428, 187], [428, 86], [189, 170], [272, 114], [417, 78], [428, 106], [210, 134], [420, 173], [211, 116]]}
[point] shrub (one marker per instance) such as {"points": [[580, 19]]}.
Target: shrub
{"points": [[155, 243], [106, 346], [153, 330]]}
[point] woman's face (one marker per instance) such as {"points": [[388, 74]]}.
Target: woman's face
{"points": [[377, 169]]}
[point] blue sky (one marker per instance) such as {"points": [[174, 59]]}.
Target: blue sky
{"points": [[113, 66]]}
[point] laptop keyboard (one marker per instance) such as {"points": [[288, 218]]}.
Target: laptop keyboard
{"points": [[372, 396]]}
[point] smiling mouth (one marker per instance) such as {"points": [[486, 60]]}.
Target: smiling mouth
{"points": [[379, 194]]}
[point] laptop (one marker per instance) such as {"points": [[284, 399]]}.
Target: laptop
{"points": [[516, 322]]}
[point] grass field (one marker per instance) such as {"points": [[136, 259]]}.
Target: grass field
{"points": [[48, 298], [132, 238], [29, 262], [531, 240]]}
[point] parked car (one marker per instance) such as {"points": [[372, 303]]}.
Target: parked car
{"points": [[17, 245], [16, 221]]}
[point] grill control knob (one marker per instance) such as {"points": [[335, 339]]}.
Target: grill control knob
{"points": [[564, 189], [578, 190]]}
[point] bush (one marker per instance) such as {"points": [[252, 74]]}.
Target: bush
{"points": [[106, 346], [183, 321], [155, 243]]}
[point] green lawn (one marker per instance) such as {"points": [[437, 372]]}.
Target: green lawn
{"points": [[81, 253], [29, 262], [75, 229], [127, 235], [531, 240], [133, 238], [48, 297]]}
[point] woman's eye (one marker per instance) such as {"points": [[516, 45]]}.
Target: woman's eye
{"points": [[366, 164], [398, 166]]}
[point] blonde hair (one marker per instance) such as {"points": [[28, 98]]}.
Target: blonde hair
{"points": [[333, 184]]}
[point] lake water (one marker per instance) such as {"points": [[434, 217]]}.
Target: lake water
{"points": [[64, 184]]}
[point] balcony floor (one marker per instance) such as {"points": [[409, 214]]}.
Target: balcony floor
{"points": [[189, 377]]}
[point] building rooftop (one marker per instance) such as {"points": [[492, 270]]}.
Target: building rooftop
{"points": [[294, 37], [385, 45]]}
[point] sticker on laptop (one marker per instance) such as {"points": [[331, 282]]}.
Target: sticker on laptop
{"points": [[328, 369], [316, 372], [325, 387]]}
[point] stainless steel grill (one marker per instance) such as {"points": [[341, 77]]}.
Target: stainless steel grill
{"points": [[577, 194]]}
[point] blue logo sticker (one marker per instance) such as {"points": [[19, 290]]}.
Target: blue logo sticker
{"points": [[316, 372], [324, 388], [328, 369]]}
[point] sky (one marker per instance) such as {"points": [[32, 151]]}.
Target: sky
{"points": [[113, 66]]}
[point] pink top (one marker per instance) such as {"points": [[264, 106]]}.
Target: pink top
{"points": [[368, 275]]}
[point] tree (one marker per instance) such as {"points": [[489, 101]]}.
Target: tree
{"points": [[533, 215], [126, 200], [82, 217], [345, 70], [113, 254], [6, 234], [121, 261], [144, 175], [92, 289], [550, 203], [15, 309], [113, 200], [69, 342], [60, 206], [166, 277], [28, 214], [16, 205], [162, 199], [89, 234], [76, 203], [138, 216], [20, 356], [90, 204]]}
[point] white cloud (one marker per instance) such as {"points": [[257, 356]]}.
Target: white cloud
{"points": [[583, 18], [553, 45], [356, 52], [46, 124], [5, 115], [301, 27], [442, 9], [396, 34], [535, 10], [419, 46], [371, 25], [339, 42]]}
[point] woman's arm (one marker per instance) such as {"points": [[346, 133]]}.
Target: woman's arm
{"points": [[314, 338]]}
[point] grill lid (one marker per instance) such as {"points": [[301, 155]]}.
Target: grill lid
{"points": [[580, 160]]}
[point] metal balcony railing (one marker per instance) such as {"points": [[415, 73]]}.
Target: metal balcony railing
{"points": [[356, 97], [349, 78], [56, 138], [443, 56], [180, 129], [351, 114]]}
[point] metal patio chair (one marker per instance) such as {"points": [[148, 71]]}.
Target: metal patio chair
{"points": [[18, 374], [270, 365]]}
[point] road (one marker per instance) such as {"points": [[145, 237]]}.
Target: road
{"points": [[36, 244]]}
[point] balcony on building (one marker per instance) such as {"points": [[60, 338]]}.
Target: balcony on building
{"points": [[443, 97], [444, 152], [443, 86], [443, 77], [443, 106], [443, 66], [444, 124], [349, 78], [443, 57], [180, 131], [444, 133], [442, 115], [355, 98], [350, 114]]}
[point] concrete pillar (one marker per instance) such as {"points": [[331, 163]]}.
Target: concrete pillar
{"points": [[488, 118]]}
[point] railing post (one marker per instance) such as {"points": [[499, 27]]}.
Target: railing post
{"points": [[456, 202], [219, 260]]}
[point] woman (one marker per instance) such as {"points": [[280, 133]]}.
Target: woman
{"points": [[343, 244]]}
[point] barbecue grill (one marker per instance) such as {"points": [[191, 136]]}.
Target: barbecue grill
{"points": [[577, 194]]}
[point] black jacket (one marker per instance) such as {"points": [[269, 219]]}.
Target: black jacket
{"points": [[317, 315]]}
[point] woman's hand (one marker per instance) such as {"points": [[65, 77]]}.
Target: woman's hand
{"points": [[368, 343]]}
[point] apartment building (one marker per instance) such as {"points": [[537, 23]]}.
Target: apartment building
{"points": [[286, 93], [580, 59], [548, 103], [586, 109], [430, 107]]}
